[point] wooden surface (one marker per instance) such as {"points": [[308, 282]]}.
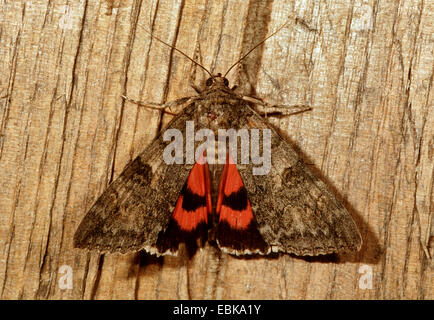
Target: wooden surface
{"points": [[365, 67]]}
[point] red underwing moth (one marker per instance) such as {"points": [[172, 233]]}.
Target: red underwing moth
{"points": [[157, 204]]}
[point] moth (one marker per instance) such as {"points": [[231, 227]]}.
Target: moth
{"points": [[156, 206]]}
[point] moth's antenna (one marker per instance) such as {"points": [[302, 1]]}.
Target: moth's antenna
{"points": [[260, 43], [174, 48]]}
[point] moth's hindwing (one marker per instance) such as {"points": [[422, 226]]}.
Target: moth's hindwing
{"points": [[190, 220], [237, 230]]}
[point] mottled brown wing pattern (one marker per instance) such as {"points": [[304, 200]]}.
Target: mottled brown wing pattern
{"points": [[137, 206], [295, 211]]}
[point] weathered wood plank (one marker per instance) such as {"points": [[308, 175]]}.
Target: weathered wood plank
{"points": [[365, 67]]}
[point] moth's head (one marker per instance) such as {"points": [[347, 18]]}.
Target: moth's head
{"points": [[217, 81]]}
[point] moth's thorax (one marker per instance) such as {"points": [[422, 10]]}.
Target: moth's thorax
{"points": [[219, 93], [220, 109]]}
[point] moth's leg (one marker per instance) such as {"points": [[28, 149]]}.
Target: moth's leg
{"points": [[159, 106], [266, 109]]}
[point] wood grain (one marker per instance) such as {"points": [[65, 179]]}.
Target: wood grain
{"points": [[365, 67]]}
